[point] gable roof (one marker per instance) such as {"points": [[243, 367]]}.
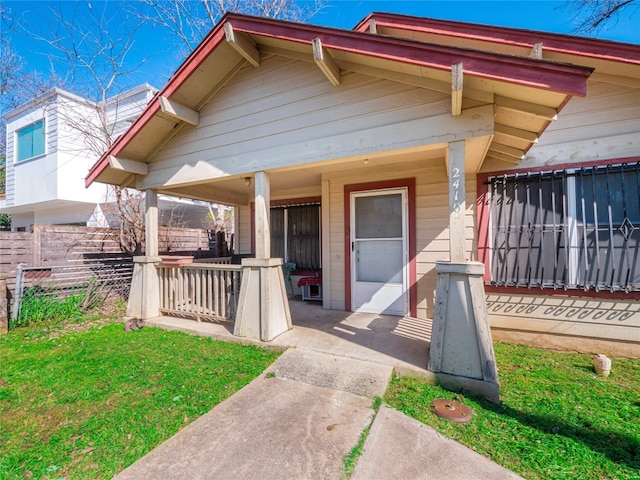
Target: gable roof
{"points": [[223, 53]]}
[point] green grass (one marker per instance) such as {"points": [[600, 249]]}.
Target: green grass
{"points": [[557, 419], [88, 404], [36, 307], [350, 460]]}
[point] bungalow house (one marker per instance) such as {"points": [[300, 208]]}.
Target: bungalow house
{"points": [[383, 155]]}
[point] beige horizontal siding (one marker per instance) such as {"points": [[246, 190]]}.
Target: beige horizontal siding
{"points": [[590, 318], [289, 107], [244, 230], [603, 125]]}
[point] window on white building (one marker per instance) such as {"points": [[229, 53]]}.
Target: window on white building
{"points": [[576, 228], [30, 141]]}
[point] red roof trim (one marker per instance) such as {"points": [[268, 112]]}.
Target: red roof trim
{"points": [[561, 43], [513, 69], [553, 76]]}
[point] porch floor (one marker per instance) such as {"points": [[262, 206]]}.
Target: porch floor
{"points": [[401, 342]]}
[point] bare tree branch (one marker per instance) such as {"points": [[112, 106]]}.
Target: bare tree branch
{"points": [[590, 16], [188, 21]]}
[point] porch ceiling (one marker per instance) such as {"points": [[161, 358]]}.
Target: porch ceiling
{"points": [[301, 180], [526, 93]]}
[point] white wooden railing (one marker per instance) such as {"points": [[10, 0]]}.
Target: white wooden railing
{"points": [[203, 291]]}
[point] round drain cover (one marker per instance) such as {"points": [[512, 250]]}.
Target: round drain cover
{"points": [[451, 410]]}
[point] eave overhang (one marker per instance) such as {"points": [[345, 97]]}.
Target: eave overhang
{"points": [[564, 79], [568, 48]]}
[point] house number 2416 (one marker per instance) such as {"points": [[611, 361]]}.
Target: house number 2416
{"points": [[455, 184]]}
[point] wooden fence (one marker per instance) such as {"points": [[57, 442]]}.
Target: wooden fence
{"points": [[56, 245]]}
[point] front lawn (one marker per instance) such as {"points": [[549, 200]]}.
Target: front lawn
{"points": [[88, 404], [557, 419]]}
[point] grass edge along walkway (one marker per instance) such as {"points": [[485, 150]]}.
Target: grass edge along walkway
{"points": [[88, 404], [557, 418], [350, 460]]}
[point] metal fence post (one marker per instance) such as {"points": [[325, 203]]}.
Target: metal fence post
{"points": [[4, 319], [18, 292]]}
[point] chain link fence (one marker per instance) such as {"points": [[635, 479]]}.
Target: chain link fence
{"points": [[46, 291]]}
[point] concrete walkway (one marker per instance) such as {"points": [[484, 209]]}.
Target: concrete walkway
{"points": [[297, 425], [308, 410]]}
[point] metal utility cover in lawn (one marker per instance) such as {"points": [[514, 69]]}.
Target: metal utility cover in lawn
{"points": [[451, 410]]}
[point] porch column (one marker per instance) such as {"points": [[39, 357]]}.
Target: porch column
{"points": [[461, 352], [144, 297], [326, 244], [151, 223], [262, 205], [263, 307]]}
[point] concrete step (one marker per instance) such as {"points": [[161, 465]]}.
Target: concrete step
{"points": [[331, 371]]}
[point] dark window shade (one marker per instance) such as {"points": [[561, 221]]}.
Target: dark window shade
{"points": [[302, 236], [578, 229]]}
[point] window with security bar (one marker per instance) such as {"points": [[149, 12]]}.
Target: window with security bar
{"points": [[567, 229]]}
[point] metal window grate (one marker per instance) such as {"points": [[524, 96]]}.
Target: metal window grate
{"points": [[567, 229]]}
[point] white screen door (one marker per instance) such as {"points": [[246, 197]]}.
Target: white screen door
{"points": [[379, 252]]}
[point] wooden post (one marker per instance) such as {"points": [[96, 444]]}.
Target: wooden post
{"points": [[457, 205], [36, 245], [151, 223], [326, 247], [262, 215], [17, 295], [263, 308]]}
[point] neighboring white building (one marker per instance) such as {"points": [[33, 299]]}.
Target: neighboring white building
{"points": [[48, 157]]}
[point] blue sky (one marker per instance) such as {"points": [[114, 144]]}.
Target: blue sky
{"points": [[160, 60], [533, 15]]}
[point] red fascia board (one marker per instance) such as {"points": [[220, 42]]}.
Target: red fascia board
{"points": [[567, 44], [559, 77]]}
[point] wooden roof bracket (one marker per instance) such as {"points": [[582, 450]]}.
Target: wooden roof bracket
{"points": [[536, 51], [243, 44], [517, 133], [534, 109], [129, 166], [325, 62], [178, 111], [457, 80]]}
